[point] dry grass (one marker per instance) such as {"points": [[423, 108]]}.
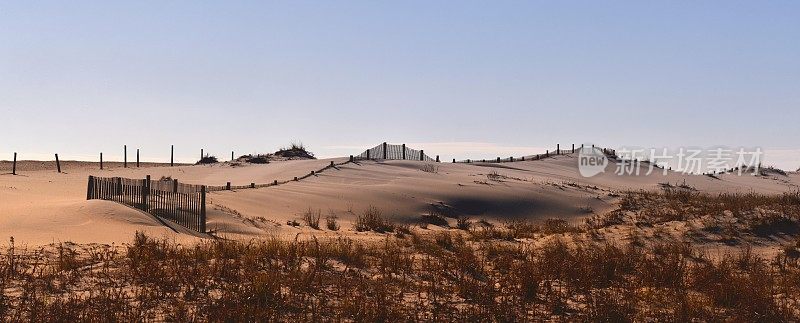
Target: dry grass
{"points": [[331, 221], [731, 214], [520, 271], [430, 168], [443, 277], [372, 220], [311, 218]]}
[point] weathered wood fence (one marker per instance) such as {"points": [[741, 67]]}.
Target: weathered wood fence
{"points": [[547, 154], [166, 199], [395, 152]]}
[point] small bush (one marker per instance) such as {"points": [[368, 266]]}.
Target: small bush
{"points": [[463, 223], [207, 159], [435, 219], [295, 151], [372, 220], [430, 168], [331, 221], [311, 218], [255, 159]]}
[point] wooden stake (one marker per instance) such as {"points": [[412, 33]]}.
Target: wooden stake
{"points": [[58, 164], [14, 168]]}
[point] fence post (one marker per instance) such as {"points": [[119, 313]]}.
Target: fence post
{"points": [[295, 178], [58, 164], [404, 151], [368, 154], [145, 192], [511, 159], [171, 155], [252, 185], [351, 158], [231, 155], [547, 153], [201, 153], [90, 188], [421, 154], [573, 148], [14, 168], [385, 146], [275, 182], [202, 209], [498, 159], [175, 185], [101, 161], [558, 149], [454, 160], [125, 156], [137, 157], [228, 186], [437, 158]]}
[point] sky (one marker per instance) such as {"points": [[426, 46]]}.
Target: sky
{"points": [[463, 79]]}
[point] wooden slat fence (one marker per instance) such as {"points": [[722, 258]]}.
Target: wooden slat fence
{"points": [[394, 152], [169, 200], [550, 153]]}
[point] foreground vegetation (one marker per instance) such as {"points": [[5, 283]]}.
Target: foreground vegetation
{"points": [[478, 272]]}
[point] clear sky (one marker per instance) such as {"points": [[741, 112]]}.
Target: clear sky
{"points": [[459, 78]]}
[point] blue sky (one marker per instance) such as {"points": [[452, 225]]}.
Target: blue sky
{"points": [[80, 77]]}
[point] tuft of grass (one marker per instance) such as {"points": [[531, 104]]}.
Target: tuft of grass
{"points": [[434, 218], [463, 223], [207, 159], [331, 221], [430, 168], [311, 218], [372, 220]]}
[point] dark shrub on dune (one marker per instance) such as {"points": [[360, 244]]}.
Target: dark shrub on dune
{"points": [[208, 159], [255, 159], [295, 151]]}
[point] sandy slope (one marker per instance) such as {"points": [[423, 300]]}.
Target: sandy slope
{"points": [[41, 206]]}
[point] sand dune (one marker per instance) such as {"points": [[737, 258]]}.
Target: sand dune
{"points": [[40, 206]]}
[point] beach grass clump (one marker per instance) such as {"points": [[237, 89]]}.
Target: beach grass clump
{"points": [[372, 220], [311, 218], [331, 221], [207, 159]]}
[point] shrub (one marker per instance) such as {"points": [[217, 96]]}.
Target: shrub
{"points": [[207, 159], [463, 223], [255, 159], [435, 219], [295, 151], [430, 168], [372, 220], [330, 221], [311, 218]]}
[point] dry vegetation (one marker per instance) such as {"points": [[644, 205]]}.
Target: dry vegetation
{"points": [[728, 216], [518, 271]]}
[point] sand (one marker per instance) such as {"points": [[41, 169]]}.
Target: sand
{"points": [[40, 206]]}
